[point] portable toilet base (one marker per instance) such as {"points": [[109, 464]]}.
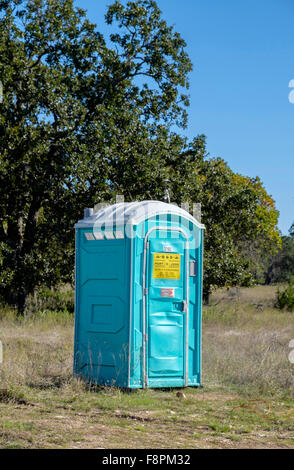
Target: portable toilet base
{"points": [[138, 296]]}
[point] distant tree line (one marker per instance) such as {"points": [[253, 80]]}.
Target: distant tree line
{"points": [[85, 118], [280, 266]]}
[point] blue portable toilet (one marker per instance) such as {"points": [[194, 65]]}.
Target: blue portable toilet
{"points": [[138, 296]]}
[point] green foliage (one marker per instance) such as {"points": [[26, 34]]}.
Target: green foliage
{"points": [[150, 48], [285, 298]]}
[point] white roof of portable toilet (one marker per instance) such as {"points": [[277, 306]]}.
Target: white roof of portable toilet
{"points": [[132, 213]]}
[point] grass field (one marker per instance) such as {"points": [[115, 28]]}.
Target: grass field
{"points": [[246, 400]]}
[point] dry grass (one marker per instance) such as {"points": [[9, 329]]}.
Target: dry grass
{"points": [[245, 357], [37, 350], [246, 342]]}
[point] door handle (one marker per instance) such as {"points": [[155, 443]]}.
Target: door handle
{"points": [[185, 306]]}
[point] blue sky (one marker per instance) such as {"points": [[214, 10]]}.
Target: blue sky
{"points": [[243, 58]]}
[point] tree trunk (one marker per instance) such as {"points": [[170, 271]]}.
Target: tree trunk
{"points": [[22, 302]]}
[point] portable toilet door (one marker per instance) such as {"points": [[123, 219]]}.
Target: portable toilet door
{"points": [[153, 293], [165, 307]]}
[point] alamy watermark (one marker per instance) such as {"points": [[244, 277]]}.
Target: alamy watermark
{"points": [[291, 94], [117, 220]]}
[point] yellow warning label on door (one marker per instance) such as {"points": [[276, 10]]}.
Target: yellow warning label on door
{"points": [[166, 266]]}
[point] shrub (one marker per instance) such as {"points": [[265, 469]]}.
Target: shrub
{"points": [[46, 299], [285, 298]]}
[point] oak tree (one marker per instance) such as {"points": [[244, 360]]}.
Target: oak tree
{"points": [[74, 108]]}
